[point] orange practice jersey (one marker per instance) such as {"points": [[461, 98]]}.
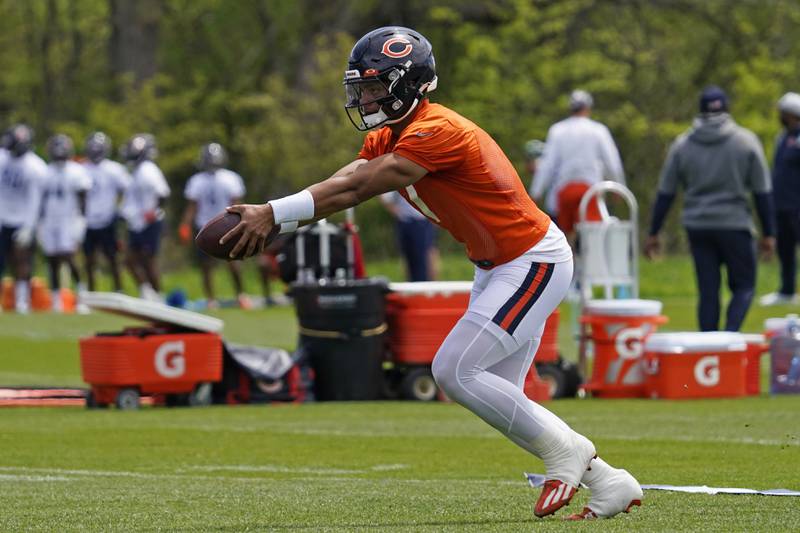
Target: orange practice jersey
{"points": [[471, 189]]}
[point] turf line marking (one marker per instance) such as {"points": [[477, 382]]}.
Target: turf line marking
{"points": [[18, 477], [60, 474], [294, 470], [701, 440]]}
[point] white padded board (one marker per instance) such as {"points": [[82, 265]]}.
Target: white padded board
{"points": [[149, 311]]}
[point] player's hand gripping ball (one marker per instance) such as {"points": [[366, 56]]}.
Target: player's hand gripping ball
{"points": [[208, 237]]}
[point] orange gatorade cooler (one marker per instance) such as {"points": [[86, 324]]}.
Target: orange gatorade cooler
{"points": [[757, 345], [176, 357], [708, 364], [420, 315], [618, 329]]}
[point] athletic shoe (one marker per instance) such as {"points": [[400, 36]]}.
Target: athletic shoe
{"points": [[777, 298], [245, 302], [555, 495], [565, 468], [614, 491]]}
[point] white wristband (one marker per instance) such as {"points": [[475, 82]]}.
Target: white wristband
{"points": [[298, 206], [288, 227]]}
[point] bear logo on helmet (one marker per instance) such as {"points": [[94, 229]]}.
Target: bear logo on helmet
{"points": [[387, 47]]}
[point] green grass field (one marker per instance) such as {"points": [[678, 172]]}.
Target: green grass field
{"points": [[381, 466]]}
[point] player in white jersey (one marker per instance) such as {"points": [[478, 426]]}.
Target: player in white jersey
{"points": [[580, 152], [62, 225], [142, 210], [209, 192], [109, 181], [21, 180]]}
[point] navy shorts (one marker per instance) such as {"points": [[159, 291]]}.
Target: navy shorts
{"points": [[146, 241], [103, 238], [6, 245]]}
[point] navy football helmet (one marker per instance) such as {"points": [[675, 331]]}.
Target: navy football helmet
{"points": [[98, 146], [60, 147], [20, 139], [140, 147], [212, 157], [389, 71]]}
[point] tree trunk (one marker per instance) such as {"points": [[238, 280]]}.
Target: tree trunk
{"points": [[134, 37]]}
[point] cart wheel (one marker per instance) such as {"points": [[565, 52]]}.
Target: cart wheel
{"points": [[554, 377], [418, 384], [128, 399], [572, 377], [201, 395], [91, 402]]}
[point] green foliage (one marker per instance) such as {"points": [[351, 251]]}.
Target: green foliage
{"points": [[264, 77]]}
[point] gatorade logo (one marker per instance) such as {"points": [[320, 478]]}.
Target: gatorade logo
{"points": [[629, 343], [706, 371], [170, 361]]}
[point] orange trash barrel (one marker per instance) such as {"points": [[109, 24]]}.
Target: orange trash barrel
{"points": [[617, 329]]}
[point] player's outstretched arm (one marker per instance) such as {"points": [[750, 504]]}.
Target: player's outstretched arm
{"points": [[353, 184]]}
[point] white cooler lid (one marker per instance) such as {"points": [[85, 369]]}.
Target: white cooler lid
{"points": [[149, 311], [691, 342], [431, 288], [780, 323], [631, 307], [754, 338]]}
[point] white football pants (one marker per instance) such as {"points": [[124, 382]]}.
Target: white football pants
{"points": [[483, 362]]}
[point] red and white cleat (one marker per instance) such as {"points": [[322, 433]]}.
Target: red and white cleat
{"points": [[565, 468], [555, 495]]}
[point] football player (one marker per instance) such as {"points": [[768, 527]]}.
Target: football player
{"points": [[21, 180], [62, 226], [208, 193], [456, 175], [109, 181], [142, 210]]}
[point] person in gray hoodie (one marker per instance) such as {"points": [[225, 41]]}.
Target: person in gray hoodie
{"points": [[717, 163]]}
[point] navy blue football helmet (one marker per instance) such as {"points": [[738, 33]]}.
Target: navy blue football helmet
{"points": [[60, 147], [212, 157], [140, 147], [20, 139], [98, 146], [389, 71]]}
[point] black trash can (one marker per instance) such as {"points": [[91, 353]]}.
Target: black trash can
{"points": [[342, 330]]}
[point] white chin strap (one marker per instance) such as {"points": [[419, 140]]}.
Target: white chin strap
{"points": [[373, 120]]}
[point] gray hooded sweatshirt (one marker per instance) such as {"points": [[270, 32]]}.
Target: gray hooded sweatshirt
{"points": [[718, 164]]}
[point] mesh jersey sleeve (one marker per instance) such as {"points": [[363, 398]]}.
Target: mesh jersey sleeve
{"points": [[192, 190], [434, 148], [237, 185]]}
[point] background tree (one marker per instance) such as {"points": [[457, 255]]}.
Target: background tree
{"points": [[264, 76]]}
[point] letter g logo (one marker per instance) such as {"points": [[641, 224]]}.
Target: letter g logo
{"points": [[629, 343], [706, 371], [170, 361]]}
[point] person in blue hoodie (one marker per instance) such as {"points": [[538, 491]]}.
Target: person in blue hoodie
{"points": [[786, 193], [717, 164]]}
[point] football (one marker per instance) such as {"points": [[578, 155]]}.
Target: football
{"points": [[208, 237]]}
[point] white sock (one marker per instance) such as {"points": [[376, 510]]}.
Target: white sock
{"points": [[22, 293]]}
